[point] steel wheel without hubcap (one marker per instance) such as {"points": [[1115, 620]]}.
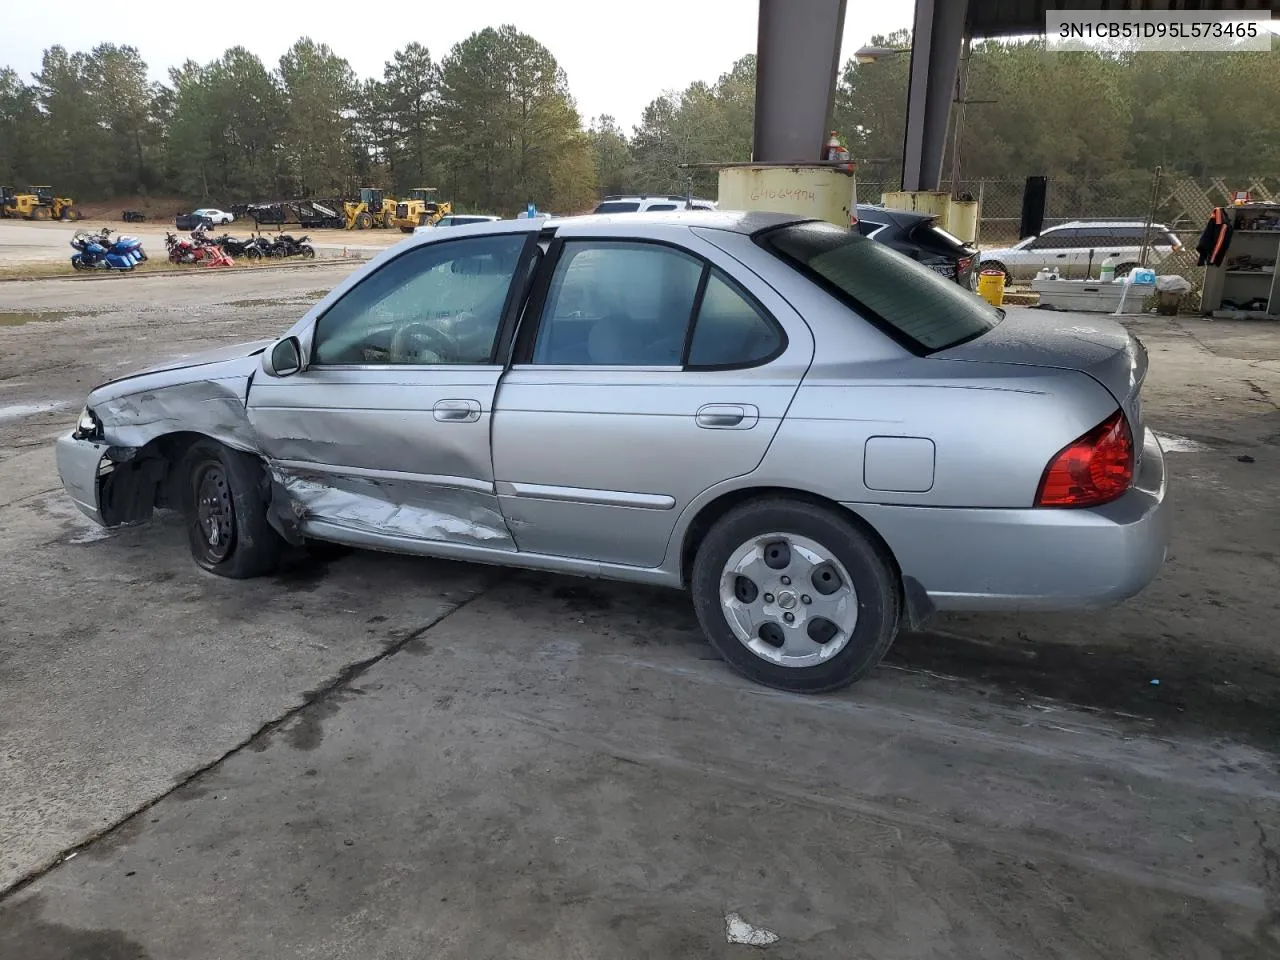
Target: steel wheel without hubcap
{"points": [[788, 600], [215, 514]]}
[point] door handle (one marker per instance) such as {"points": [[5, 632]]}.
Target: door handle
{"points": [[457, 411], [727, 416], [1061, 256]]}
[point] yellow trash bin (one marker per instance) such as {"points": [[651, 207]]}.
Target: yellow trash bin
{"points": [[991, 286]]}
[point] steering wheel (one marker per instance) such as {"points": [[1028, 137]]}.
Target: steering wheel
{"points": [[414, 338]]}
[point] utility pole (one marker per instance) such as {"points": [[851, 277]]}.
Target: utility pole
{"points": [[962, 76]]}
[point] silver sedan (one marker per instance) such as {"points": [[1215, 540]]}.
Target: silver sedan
{"points": [[819, 439]]}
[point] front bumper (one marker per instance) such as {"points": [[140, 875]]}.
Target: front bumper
{"points": [[1039, 559], [79, 464]]}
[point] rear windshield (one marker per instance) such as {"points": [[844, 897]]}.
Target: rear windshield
{"points": [[915, 305], [618, 206]]}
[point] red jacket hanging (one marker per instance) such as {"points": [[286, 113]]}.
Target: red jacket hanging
{"points": [[1214, 239]]}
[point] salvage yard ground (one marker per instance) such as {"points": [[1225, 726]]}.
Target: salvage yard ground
{"points": [[23, 243], [370, 756]]}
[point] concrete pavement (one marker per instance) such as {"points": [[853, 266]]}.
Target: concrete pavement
{"points": [[371, 756]]}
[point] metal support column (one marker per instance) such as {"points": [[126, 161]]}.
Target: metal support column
{"points": [[797, 63], [935, 57]]}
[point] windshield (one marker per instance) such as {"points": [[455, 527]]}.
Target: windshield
{"points": [[918, 307], [618, 206]]}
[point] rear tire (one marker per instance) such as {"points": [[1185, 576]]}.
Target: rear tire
{"points": [[775, 558], [224, 497]]}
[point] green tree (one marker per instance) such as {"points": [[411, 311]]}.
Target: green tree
{"points": [[122, 97], [321, 89], [611, 154], [21, 137], [408, 100], [72, 137], [699, 125], [509, 130]]}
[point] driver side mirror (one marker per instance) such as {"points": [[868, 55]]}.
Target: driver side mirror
{"points": [[284, 358]]}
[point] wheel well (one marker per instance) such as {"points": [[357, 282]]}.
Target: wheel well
{"points": [[916, 606], [145, 480]]}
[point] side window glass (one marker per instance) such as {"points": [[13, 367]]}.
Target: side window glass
{"points": [[730, 330], [439, 303], [617, 304], [1054, 240]]}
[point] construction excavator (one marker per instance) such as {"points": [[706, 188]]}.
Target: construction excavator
{"points": [[373, 210], [420, 209]]}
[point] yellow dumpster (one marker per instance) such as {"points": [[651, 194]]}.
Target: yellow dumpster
{"points": [[991, 286]]}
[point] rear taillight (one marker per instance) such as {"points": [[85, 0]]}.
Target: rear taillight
{"points": [[1092, 470], [963, 264]]}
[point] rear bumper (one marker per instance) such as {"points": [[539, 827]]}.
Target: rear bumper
{"points": [[78, 464], [1038, 559]]}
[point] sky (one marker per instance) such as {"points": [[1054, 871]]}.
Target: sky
{"points": [[616, 62]]}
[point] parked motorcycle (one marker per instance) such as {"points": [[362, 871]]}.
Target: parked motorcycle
{"points": [[199, 249], [255, 248], [97, 251], [132, 242], [287, 245], [182, 250]]}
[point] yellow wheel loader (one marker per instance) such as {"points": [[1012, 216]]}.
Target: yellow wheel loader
{"points": [[56, 208], [21, 206], [371, 211], [420, 209]]}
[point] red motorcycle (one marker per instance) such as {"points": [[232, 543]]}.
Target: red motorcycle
{"points": [[199, 249]]}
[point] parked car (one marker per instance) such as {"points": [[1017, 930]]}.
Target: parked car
{"points": [[459, 220], [215, 217], [1078, 248], [921, 237], [187, 222], [816, 436], [658, 204]]}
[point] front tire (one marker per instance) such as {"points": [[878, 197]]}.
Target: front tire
{"points": [[225, 493], [795, 596], [307, 252]]}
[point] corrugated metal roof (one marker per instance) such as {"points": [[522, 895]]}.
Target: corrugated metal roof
{"points": [[1002, 18]]}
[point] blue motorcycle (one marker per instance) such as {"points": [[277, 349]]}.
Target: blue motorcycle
{"points": [[97, 251]]}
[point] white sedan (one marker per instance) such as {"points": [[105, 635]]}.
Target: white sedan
{"points": [[215, 217]]}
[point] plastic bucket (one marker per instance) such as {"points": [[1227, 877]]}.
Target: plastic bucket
{"points": [[991, 286]]}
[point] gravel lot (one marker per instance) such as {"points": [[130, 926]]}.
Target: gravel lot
{"points": [[370, 756]]}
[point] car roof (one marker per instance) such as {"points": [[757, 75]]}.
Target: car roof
{"points": [[1105, 223], [734, 221]]}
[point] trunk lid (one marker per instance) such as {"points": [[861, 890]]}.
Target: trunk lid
{"points": [[1099, 347]]}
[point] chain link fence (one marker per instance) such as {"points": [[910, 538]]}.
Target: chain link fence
{"points": [[1181, 204]]}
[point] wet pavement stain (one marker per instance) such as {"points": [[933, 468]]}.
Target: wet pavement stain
{"points": [[1195, 689], [19, 318], [25, 934]]}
